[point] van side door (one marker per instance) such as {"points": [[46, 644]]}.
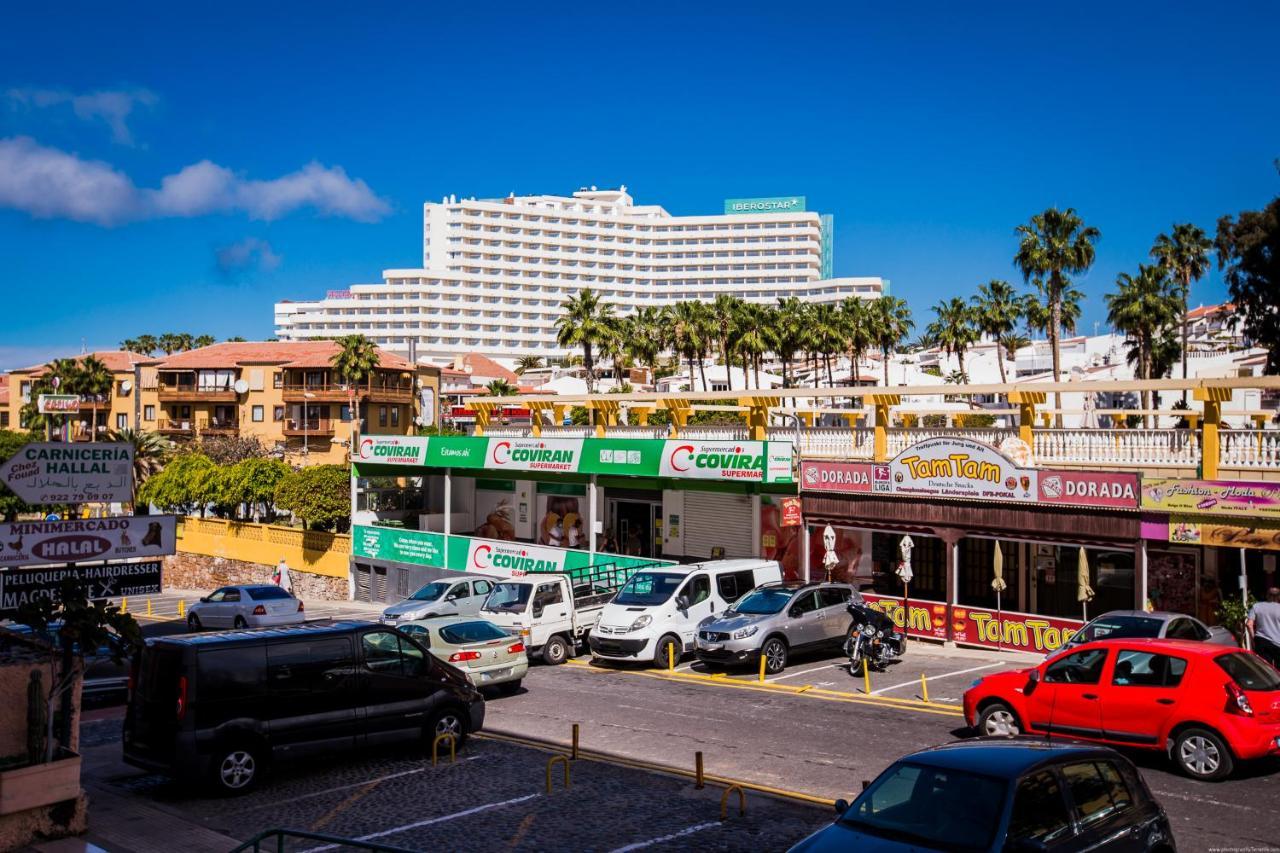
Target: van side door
{"points": [[314, 694], [396, 695], [480, 590], [696, 594], [550, 609]]}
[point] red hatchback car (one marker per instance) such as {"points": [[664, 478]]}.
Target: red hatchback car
{"points": [[1206, 706]]}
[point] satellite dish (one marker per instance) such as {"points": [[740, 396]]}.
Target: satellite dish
{"points": [[241, 386], [126, 386]]}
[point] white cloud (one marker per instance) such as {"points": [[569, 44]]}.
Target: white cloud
{"points": [[112, 106], [244, 255], [49, 183]]}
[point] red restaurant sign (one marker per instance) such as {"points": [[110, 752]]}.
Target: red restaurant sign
{"points": [[977, 626], [1073, 488], [791, 512]]}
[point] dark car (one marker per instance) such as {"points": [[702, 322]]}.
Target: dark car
{"points": [[1009, 794], [220, 707]]}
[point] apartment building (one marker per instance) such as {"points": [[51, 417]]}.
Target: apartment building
{"points": [[286, 394], [98, 413], [495, 272]]}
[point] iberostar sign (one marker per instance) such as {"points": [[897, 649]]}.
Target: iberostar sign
{"points": [[692, 459]]}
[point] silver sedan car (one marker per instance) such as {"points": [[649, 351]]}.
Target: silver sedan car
{"points": [[1159, 624], [248, 606]]}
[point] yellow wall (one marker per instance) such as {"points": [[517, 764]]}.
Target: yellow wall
{"points": [[120, 404], [304, 550]]}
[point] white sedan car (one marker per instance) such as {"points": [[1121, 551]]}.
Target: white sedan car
{"points": [[247, 606]]}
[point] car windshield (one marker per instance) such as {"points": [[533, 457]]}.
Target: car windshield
{"points": [[1249, 671], [268, 593], [763, 601], [1119, 628], [647, 589], [508, 597], [471, 632], [430, 592], [933, 806]]}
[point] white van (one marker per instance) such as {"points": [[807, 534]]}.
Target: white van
{"points": [[661, 607]]}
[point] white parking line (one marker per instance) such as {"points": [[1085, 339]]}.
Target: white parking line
{"points": [[428, 822], [640, 845], [935, 677], [794, 673]]}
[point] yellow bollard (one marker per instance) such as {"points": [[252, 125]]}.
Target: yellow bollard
{"points": [[552, 763], [697, 770], [182, 607], [148, 607], [574, 756], [763, 661], [724, 801], [866, 678], [671, 657], [453, 748], [124, 605], [924, 688]]}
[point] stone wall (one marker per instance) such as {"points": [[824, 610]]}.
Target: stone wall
{"points": [[197, 571]]}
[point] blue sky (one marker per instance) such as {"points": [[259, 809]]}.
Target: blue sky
{"points": [[299, 141]]}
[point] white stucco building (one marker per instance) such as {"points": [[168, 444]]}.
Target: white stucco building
{"points": [[496, 271]]}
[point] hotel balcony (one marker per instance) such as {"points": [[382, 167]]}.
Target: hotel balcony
{"points": [[176, 426], [375, 392], [306, 428], [195, 394]]}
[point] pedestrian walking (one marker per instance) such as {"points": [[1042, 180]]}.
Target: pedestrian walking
{"points": [[1264, 627], [282, 577]]}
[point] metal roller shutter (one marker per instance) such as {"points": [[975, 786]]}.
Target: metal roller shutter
{"points": [[717, 519]]}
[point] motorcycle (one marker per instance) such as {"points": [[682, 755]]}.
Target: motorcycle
{"points": [[872, 637]]}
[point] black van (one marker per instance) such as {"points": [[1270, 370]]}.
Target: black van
{"points": [[220, 706]]}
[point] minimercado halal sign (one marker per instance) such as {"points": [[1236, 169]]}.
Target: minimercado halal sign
{"points": [[63, 473]]}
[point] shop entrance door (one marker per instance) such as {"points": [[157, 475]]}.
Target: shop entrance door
{"points": [[634, 525]]}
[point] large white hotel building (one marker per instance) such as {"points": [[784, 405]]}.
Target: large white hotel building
{"points": [[496, 271]]}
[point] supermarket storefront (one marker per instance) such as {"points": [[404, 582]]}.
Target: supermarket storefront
{"points": [[960, 503], [493, 505]]}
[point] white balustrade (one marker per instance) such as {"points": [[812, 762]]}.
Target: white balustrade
{"points": [[508, 432], [1134, 447], [711, 432], [1247, 448]]}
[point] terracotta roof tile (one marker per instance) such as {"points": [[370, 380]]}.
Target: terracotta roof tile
{"points": [[117, 361], [1206, 310], [283, 353]]}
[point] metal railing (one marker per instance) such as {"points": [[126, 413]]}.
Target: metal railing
{"points": [[274, 839]]}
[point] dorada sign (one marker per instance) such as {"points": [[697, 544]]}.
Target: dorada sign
{"points": [[82, 540], [62, 473], [113, 579]]}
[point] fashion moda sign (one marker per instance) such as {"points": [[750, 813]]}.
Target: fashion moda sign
{"points": [[81, 540], [740, 461], [62, 473], [24, 586], [1211, 497]]}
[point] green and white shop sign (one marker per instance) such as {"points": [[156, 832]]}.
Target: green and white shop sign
{"points": [[471, 554], [690, 459], [776, 204]]}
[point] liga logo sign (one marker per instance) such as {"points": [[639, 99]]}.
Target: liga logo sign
{"points": [[714, 460], [512, 559], [534, 454]]}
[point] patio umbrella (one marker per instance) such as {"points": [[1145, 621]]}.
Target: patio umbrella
{"points": [[998, 584], [1084, 592]]}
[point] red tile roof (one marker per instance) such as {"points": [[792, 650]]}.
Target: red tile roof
{"points": [[117, 361], [474, 364], [283, 353], [1206, 310]]}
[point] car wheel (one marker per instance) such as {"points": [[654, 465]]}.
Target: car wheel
{"points": [[667, 650], [774, 652], [556, 651], [998, 720], [193, 623], [236, 769], [1202, 754], [448, 722], [240, 623]]}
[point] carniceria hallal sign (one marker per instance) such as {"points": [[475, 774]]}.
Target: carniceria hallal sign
{"points": [[779, 204]]}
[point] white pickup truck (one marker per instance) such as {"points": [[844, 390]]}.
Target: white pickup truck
{"points": [[554, 611]]}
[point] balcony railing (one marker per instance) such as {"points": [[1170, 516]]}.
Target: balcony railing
{"points": [[317, 427], [195, 393], [295, 393], [176, 426]]}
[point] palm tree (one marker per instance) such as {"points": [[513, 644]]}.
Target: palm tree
{"points": [[1185, 258], [613, 347], [997, 311], [584, 321], [828, 336], [1143, 307], [147, 344], [203, 341], [1036, 312], [185, 341], [955, 330], [890, 323], [753, 340], [169, 343], [501, 388], [528, 362], [688, 327], [95, 380], [856, 327], [354, 362], [129, 345], [724, 318], [150, 451], [1012, 343], [234, 340], [786, 334], [1054, 245], [643, 337]]}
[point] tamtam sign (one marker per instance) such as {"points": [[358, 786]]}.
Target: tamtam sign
{"points": [[58, 404], [62, 473], [977, 626], [1211, 497], [958, 468], [742, 461], [107, 581], [781, 204], [81, 540]]}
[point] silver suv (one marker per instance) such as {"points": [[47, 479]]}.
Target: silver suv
{"points": [[774, 620]]}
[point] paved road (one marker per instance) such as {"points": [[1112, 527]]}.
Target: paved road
{"points": [[824, 743]]}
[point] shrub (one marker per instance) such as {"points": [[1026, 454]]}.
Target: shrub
{"points": [[319, 495]]}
